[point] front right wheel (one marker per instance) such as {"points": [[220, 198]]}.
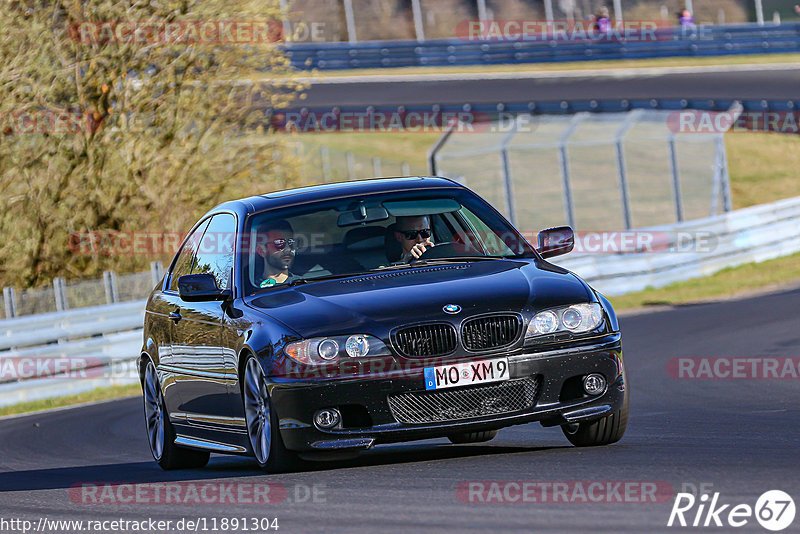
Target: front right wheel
{"points": [[262, 422]]}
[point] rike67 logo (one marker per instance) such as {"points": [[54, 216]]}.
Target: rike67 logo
{"points": [[774, 510]]}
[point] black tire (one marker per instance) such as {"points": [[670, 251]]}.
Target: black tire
{"points": [[473, 437], [162, 443], [275, 458], [605, 431]]}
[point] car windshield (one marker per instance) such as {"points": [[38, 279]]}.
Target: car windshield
{"points": [[356, 235]]}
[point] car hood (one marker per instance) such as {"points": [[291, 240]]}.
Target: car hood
{"points": [[376, 303]]}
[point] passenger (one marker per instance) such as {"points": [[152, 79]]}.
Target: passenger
{"points": [[276, 245], [414, 235]]}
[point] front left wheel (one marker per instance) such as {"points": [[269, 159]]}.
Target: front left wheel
{"points": [[160, 432], [262, 422]]}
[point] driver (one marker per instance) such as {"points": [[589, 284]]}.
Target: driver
{"points": [[414, 235], [276, 245]]}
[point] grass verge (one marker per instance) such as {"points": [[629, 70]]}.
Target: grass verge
{"points": [[99, 394], [730, 282]]}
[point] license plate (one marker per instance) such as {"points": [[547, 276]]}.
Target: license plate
{"points": [[466, 373]]}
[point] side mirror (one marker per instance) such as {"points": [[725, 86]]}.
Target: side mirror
{"points": [[556, 241], [201, 288]]}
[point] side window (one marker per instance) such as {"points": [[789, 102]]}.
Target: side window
{"points": [[183, 260], [493, 243], [215, 253]]}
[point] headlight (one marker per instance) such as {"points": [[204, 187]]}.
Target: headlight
{"points": [[576, 318], [357, 346], [323, 350]]}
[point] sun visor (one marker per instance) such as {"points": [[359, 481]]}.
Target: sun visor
{"points": [[418, 208]]}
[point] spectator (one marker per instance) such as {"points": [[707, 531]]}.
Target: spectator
{"points": [[603, 21], [686, 20]]}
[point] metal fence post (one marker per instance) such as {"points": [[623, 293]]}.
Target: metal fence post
{"points": [[632, 117], [716, 183], [156, 271], [405, 169], [416, 11], [376, 166], [563, 158], [60, 294], [482, 11], [439, 144], [351, 164], [548, 11], [508, 181], [10, 301], [350, 21], [727, 200], [326, 163], [722, 185], [287, 29], [759, 13], [110, 283], [618, 13], [676, 179]]}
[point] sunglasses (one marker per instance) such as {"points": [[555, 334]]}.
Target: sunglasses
{"points": [[425, 233], [281, 244]]}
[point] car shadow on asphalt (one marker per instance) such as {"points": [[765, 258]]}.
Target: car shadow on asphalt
{"points": [[222, 467]]}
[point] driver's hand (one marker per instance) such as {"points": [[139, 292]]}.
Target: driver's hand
{"points": [[419, 249]]}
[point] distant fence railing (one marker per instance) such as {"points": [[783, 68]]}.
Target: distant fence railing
{"points": [[695, 248], [65, 295], [716, 40]]}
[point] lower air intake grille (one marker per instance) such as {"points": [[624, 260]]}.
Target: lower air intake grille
{"points": [[465, 403], [425, 340]]}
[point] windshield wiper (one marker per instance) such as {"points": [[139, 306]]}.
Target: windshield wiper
{"points": [[455, 259], [300, 281]]}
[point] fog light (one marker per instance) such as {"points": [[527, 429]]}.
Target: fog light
{"points": [[594, 384], [327, 418]]}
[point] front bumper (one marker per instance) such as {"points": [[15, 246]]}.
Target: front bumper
{"points": [[557, 400]]}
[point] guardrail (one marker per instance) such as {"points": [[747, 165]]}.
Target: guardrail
{"points": [[64, 353], [704, 246], [108, 338], [716, 40]]}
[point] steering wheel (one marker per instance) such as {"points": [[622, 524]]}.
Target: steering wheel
{"points": [[445, 249]]}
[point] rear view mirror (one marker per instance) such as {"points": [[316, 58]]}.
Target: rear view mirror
{"points": [[556, 241], [201, 288], [362, 215]]}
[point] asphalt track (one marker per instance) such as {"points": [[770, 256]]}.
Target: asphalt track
{"points": [[776, 82], [739, 435]]}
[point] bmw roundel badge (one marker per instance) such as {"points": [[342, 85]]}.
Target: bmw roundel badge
{"points": [[452, 309]]}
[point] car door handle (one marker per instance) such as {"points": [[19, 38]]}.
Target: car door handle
{"points": [[175, 316]]}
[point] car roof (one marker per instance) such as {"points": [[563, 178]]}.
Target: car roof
{"points": [[288, 197]]}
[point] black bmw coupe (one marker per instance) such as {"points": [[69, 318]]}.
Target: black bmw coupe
{"points": [[318, 322]]}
